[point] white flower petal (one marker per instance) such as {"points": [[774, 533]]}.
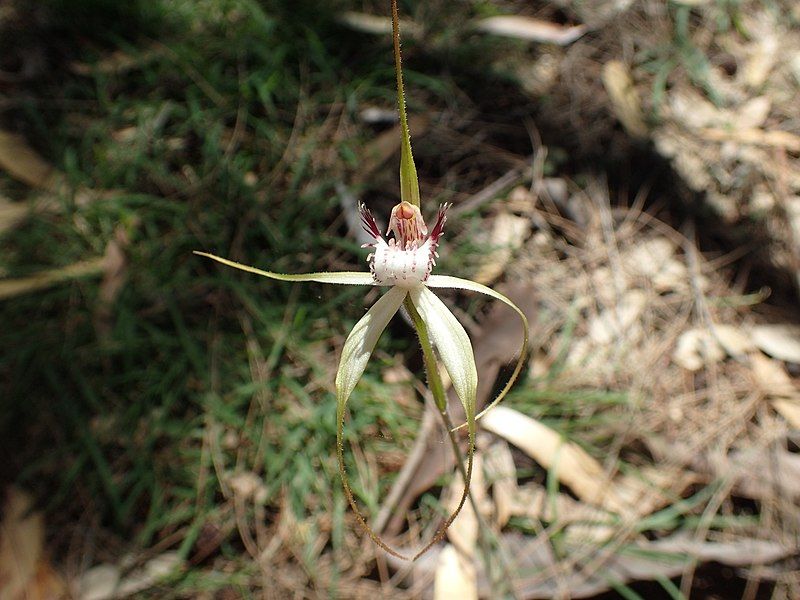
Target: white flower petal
{"points": [[342, 277], [445, 281], [361, 342], [452, 344]]}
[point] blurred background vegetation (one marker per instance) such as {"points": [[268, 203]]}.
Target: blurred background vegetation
{"points": [[141, 386]]}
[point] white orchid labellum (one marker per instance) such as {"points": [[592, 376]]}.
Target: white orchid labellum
{"points": [[405, 263]]}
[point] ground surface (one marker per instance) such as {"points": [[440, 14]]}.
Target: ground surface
{"points": [[627, 172]]}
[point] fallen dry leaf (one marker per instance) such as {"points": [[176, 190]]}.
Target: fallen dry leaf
{"points": [[647, 258], [115, 63], [106, 581], [455, 576], [463, 532], [762, 59], [99, 583], [653, 487], [377, 25], [25, 574], [780, 340], [508, 234], [753, 113], [755, 472], [733, 340], [501, 475], [775, 138], [572, 465], [531, 30], [697, 348], [640, 561], [20, 544], [763, 473], [620, 321], [23, 163], [789, 409], [773, 379], [582, 521], [15, 287], [153, 571], [667, 557], [624, 98]]}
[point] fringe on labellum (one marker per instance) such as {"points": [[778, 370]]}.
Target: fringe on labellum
{"points": [[407, 258]]}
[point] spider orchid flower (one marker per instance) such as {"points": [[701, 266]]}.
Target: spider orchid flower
{"points": [[404, 264]]}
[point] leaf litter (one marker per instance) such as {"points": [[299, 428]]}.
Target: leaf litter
{"points": [[680, 414], [25, 570], [644, 320], [23, 163]]}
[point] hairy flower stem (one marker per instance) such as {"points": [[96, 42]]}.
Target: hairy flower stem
{"points": [[487, 537]]}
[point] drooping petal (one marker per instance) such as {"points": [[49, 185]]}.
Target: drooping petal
{"points": [[452, 345], [356, 352], [341, 277], [435, 384], [445, 281], [361, 341]]}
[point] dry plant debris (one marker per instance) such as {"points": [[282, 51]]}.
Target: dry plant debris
{"points": [[713, 390], [730, 124], [712, 85], [624, 98], [107, 581], [25, 572], [23, 163], [11, 213], [24, 285], [629, 304], [455, 576], [531, 29]]}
